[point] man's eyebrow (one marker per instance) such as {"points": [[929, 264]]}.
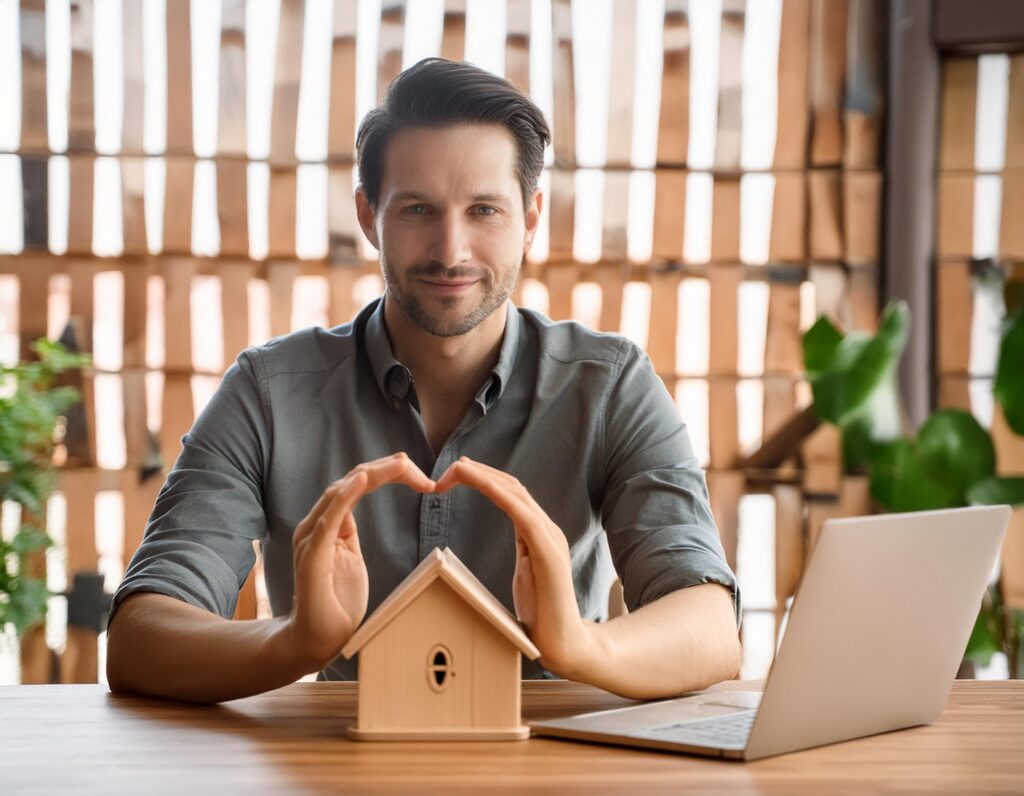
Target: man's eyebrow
{"points": [[416, 196]]}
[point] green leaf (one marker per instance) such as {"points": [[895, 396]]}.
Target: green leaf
{"points": [[820, 343], [899, 482], [955, 449], [994, 491], [1009, 383], [858, 366]]}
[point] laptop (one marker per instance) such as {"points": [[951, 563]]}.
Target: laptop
{"points": [[875, 636]]}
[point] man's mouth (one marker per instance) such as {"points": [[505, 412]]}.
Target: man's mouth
{"points": [[449, 286]]}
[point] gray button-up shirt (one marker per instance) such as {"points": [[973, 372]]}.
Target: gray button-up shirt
{"points": [[580, 418]]}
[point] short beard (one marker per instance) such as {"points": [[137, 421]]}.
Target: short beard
{"points": [[494, 297]]}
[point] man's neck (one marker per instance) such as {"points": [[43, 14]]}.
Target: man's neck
{"points": [[448, 368]]}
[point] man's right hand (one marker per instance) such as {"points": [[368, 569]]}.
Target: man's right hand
{"points": [[331, 584]]}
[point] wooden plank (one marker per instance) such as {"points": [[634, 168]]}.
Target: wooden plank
{"points": [[517, 43], [234, 303], [32, 27], [133, 66], [794, 69], [453, 36], [281, 280], [81, 442], [823, 461], [287, 72], [779, 403], [723, 430], [621, 84], [724, 314], [789, 546], [341, 282], [863, 298], [956, 215], [179, 86], [825, 211], [612, 279], [862, 216], [663, 325], [955, 308], [783, 351], [81, 117], [80, 203], [389, 50], [231, 107], [725, 220], [177, 407], [342, 228], [954, 393], [730, 85], [178, 205], [669, 214], [133, 201], [233, 207], [725, 488], [828, 68], [1015, 114], [35, 212], [79, 661], [788, 239], [35, 656], [133, 377], [563, 211], [341, 122], [862, 112], [564, 112], [674, 115], [281, 222], [33, 302], [959, 102], [615, 226], [560, 280], [1011, 230]]}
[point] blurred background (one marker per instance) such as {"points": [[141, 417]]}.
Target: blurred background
{"points": [[176, 184]]}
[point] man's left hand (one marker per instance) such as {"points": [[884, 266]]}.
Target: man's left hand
{"points": [[542, 587]]}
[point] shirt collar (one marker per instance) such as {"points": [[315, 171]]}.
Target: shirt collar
{"points": [[395, 380]]}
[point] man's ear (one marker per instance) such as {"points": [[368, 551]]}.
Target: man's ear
{"points": [[367, 217], [532, 220]]}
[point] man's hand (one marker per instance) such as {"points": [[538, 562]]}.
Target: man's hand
{"points": [[542, 588], [331, 584]]}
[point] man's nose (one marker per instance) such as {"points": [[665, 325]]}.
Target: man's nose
{"points": [[450, 244]]}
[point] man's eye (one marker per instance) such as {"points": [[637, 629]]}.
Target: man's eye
{"points": [[486, 210], [416, 210]]}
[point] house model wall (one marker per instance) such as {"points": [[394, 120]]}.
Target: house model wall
{"points": [[440, 659]]}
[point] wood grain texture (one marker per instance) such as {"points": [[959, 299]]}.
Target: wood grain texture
{"points": [[959, 101], [58, 738], [1015, 114], [287, 70], [1011, 230], [826, 214], [612, 278], [80, 203], [828, 70], [133, 64], [954, 305], [560, 280], [79, 661], [669, 214], [862, 216], [788, 238], [663, 325], [517, 43], [389, 50], [231, 106], [32, 29], [81, 116], [233, 207], [564, 113], [133, 204], [342, 228], [562, 215], [794, 70], [862, 102], [341, 121], [725, 221], [282, 209], [674, 114], [179, 80], [178, 205], [730, 85]]}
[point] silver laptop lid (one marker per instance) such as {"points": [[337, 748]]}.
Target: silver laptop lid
{"points": [[878, 626]]}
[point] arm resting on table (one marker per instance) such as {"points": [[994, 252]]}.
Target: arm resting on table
{"points": [[162, 646], [685, 641]]}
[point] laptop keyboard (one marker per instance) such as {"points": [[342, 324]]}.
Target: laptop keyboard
{"points": [[726, 732]]}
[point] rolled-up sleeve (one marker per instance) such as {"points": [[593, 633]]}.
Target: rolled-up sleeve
{"points": [[198, 543], [655, 509]]}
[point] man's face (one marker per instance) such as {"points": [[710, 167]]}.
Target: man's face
{"points": [[450, 224]]}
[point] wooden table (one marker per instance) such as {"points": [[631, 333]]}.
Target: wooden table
{"points": [[82, 739]]}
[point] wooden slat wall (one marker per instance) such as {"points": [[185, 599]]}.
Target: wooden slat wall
{"points": [[824, 228]]}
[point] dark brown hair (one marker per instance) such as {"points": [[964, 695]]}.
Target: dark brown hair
{"points": [[441, 93]]}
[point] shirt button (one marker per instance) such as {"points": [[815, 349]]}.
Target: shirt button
{"points": [[435, 503]]}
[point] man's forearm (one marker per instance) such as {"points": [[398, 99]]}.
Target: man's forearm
{"points": [[161, 646], [685, 641]]}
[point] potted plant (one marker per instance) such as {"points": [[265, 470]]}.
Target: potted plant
{"points": [[949, 462], [31, 406]]}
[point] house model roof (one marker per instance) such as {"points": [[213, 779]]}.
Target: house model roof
{"points": [[446, 565]]}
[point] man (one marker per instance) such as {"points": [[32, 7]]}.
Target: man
{"points": [[546, 445]]}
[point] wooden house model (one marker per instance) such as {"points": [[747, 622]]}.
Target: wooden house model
{"points": [[440, 659]]}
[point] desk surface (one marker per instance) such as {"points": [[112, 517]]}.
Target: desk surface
{"points": [[66, 738]]}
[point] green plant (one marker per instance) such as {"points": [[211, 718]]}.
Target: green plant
{"points": [[951, 459], [31, 404]]}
